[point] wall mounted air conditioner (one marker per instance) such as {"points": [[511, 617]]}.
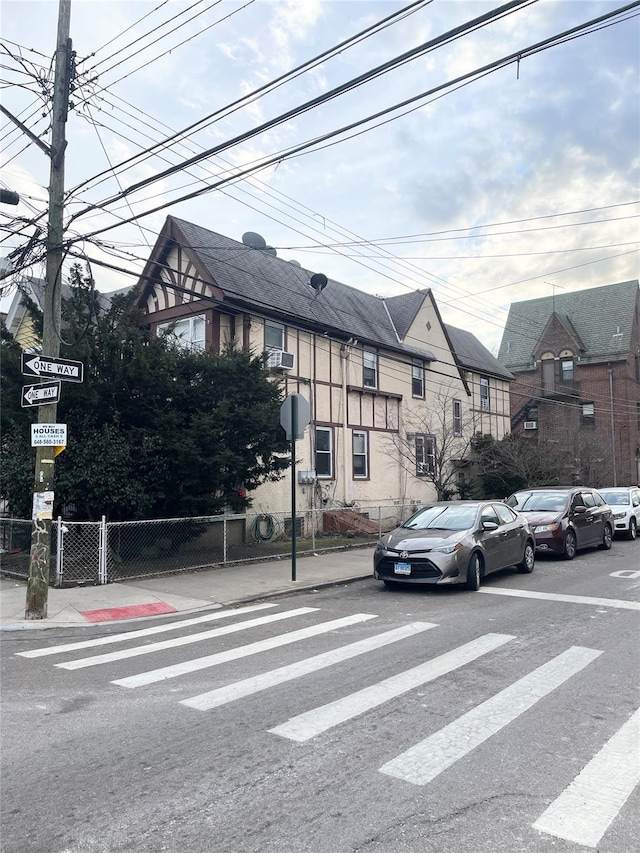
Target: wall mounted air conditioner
{"points": [[531, 424], [280, 360]]}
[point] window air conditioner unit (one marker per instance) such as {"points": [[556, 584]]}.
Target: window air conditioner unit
{"points": [[531, 424], [280, 360]]}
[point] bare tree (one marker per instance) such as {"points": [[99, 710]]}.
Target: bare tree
{"points": [[435, 443]]}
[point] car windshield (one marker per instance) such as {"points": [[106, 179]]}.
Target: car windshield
{"points": [[443, 518], [538, 501], [616, 498]]}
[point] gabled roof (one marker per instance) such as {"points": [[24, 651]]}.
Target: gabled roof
{"points": [[255, 280], [601, 318], [473, 355]]}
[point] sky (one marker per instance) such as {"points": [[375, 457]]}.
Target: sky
{"points": [[519, 182]]}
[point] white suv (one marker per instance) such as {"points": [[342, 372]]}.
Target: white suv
{"points": [[625, 505]]}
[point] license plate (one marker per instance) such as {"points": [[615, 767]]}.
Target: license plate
{"points": [[402, 568]]}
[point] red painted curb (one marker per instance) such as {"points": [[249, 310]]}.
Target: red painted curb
{"points": [[128, 612]]}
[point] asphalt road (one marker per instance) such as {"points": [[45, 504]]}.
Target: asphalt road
{"points": [[352, 719]]}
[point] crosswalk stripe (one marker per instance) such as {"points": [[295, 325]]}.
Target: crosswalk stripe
{"points": [[143, 632], [427, 759], [584, 811], [249, 686], [618, 603], [241, 652], [308, 725], [121, 654]]}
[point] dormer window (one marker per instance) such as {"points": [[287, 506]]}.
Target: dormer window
{"points": [[566, 366]]}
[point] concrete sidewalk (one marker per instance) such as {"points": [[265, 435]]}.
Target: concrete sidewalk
{"points": [[182, 593]]}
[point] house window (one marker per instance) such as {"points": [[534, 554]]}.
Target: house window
{"points": [[638, 408], [324, 452], [417, 379], [588, 414], [566, 367], [273, 336], [369, 369], [548, 374], [425, 454], [484, 394], [187, 333], [638, 367], [360, 454], [457, 417]]}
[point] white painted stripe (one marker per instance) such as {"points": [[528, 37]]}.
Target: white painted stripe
{"points": [[584, 811], [241, 652], [619, 603], [308, 725], [161, 645], [249, 686], [143, 632], [427, 759]]}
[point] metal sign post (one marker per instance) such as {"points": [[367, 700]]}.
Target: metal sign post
{"points": [[295, 416]]}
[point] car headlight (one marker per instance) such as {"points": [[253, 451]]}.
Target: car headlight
{"points": [[619, 514], [447, 549], [546, 528]]}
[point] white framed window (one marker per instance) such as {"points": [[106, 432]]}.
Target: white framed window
{"points": [[360, 452], [188, 333], [566, 369], [457, 417], [417, 379], [425, 454], [588, 413], [369, 369], [273, 336], [484, 394], [324, 452]]}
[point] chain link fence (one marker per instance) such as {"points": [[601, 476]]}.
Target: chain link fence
{"points": [[104, 552]]}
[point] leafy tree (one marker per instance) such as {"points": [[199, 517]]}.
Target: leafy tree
{"points": [[153, 431]]}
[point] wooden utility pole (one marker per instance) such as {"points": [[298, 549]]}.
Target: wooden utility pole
{"points": [[38, 582]]}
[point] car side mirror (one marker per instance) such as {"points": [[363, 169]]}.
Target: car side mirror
{"points": [[579, 510], [489, 525]]}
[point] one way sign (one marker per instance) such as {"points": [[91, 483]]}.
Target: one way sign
{"points": [[61, 368], [39, 395]]}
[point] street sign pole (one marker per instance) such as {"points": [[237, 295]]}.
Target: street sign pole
{"points": [[294, 424], [295, 417]]}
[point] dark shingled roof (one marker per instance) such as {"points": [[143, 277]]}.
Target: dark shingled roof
{"points": [[473, 355], [274, 286], [602, 318]]}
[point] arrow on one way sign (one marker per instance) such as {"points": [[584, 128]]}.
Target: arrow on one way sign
{"points": [[61, 368], [38, 395]]}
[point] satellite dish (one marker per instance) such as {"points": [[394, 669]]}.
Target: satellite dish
{"points": [[318, 281], [296, 263], [269, 250], [253, 240]]}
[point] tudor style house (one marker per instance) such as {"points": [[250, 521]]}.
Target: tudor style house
{"points": [[387, 381], [576, 361]]}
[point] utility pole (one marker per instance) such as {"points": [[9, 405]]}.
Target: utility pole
{"points": [[38, 582]]}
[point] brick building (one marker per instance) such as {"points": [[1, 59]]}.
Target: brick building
{"points": [[576, 361]]}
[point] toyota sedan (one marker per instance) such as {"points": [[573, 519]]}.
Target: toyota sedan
{"points": [[455, 542]]}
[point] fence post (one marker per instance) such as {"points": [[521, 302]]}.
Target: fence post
{"points": [[102, 551], [59, 551], [224, 539]]}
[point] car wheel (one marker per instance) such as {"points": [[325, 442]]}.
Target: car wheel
{"points": [[474, 572], [528, 560], [633, 529], [607, 537], [569, 545]]}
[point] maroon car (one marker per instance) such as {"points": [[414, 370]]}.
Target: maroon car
{"points": [[565, 519]]}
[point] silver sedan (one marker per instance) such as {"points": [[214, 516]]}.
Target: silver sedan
{"points": [[455, 542]]}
